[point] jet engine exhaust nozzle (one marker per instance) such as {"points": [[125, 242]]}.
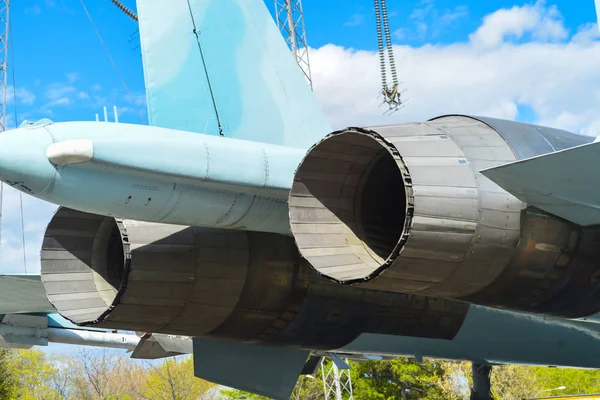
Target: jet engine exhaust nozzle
{"points": [[351, 205]]}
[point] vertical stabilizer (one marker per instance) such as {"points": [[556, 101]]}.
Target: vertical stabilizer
{"points": [[598, 12], [221, 67]]}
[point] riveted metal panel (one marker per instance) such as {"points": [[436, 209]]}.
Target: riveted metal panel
{"points": [[526, 140], [236, 285], [464, 234]]}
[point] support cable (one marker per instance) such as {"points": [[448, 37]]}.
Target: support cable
{"points": [[126, 10], [210, 88], [392, 96], [4, 52], [381, 46], [388, 38], [14, 90], [112, 61]]}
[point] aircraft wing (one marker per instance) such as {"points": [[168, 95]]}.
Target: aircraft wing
{"points": [[565, 183], [23, 294]]}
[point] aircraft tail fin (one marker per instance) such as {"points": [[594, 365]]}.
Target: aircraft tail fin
{"points": [[221, 67], [598, 12]]}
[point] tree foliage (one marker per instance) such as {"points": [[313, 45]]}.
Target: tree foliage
{"points": [[403, 378], [397, 379], [97, 374], [174, 380], [111, 375], [8, 379], [576, 381]]}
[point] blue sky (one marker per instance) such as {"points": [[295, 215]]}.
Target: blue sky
{"points": [[63, 72], [351, 23]]}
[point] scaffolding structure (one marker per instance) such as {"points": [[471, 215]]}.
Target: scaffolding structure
{"points": [[290, 21], [4, 29], [4, 17], [337, 382]]}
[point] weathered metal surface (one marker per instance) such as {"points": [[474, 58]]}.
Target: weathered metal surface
{"points": [[324, 208], [248, 286], [23, 293], [458, 236], [528, 140], [209, 181], [563, 183], [456, 223]]}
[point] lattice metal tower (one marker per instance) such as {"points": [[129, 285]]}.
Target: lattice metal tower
{"points": [[4, 25], [4, 17], [290, 20], [337, 382]]}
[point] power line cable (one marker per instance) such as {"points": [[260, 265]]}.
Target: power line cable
{"points": [[14, 90], [112, 61], [126, 10]]}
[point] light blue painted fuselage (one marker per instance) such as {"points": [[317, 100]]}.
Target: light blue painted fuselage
{"points": [[153, 174]]}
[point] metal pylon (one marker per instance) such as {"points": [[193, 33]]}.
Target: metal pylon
{"points": [[4, 25], [290, 20], [4, 16], [337, 382]]}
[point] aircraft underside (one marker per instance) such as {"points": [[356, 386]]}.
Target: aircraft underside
{"points": [[240, 227]]}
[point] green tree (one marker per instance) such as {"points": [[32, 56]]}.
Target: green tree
{"points": [[309, 387], [403, 378], [396, 379], [8, 379], [514, 382], [174, 379], [456, 382], [576, 381], [33, 372], [102, 374]]}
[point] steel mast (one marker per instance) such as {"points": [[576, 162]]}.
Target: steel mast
{"points": [[4, 22], [290, 20]]}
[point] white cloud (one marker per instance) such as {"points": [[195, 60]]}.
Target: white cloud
{"points": [[72, 77], [33, 10], [83, 96], [355, 20], [542, 22], [23, 95], [450, 16], [430, 21], [586, 33], [61, 101], [37, 214], [58, 90], [137, 99], [558, 81]]}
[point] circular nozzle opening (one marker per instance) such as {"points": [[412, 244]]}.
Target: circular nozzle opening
{"points": [[351, 205], [83, 265]]}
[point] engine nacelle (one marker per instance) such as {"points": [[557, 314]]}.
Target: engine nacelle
{"points": [[404, 208], [248, 286]]}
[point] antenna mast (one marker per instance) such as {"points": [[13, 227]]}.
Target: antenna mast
{"points": [[290, 20], [4, 21], [4, 16]]}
